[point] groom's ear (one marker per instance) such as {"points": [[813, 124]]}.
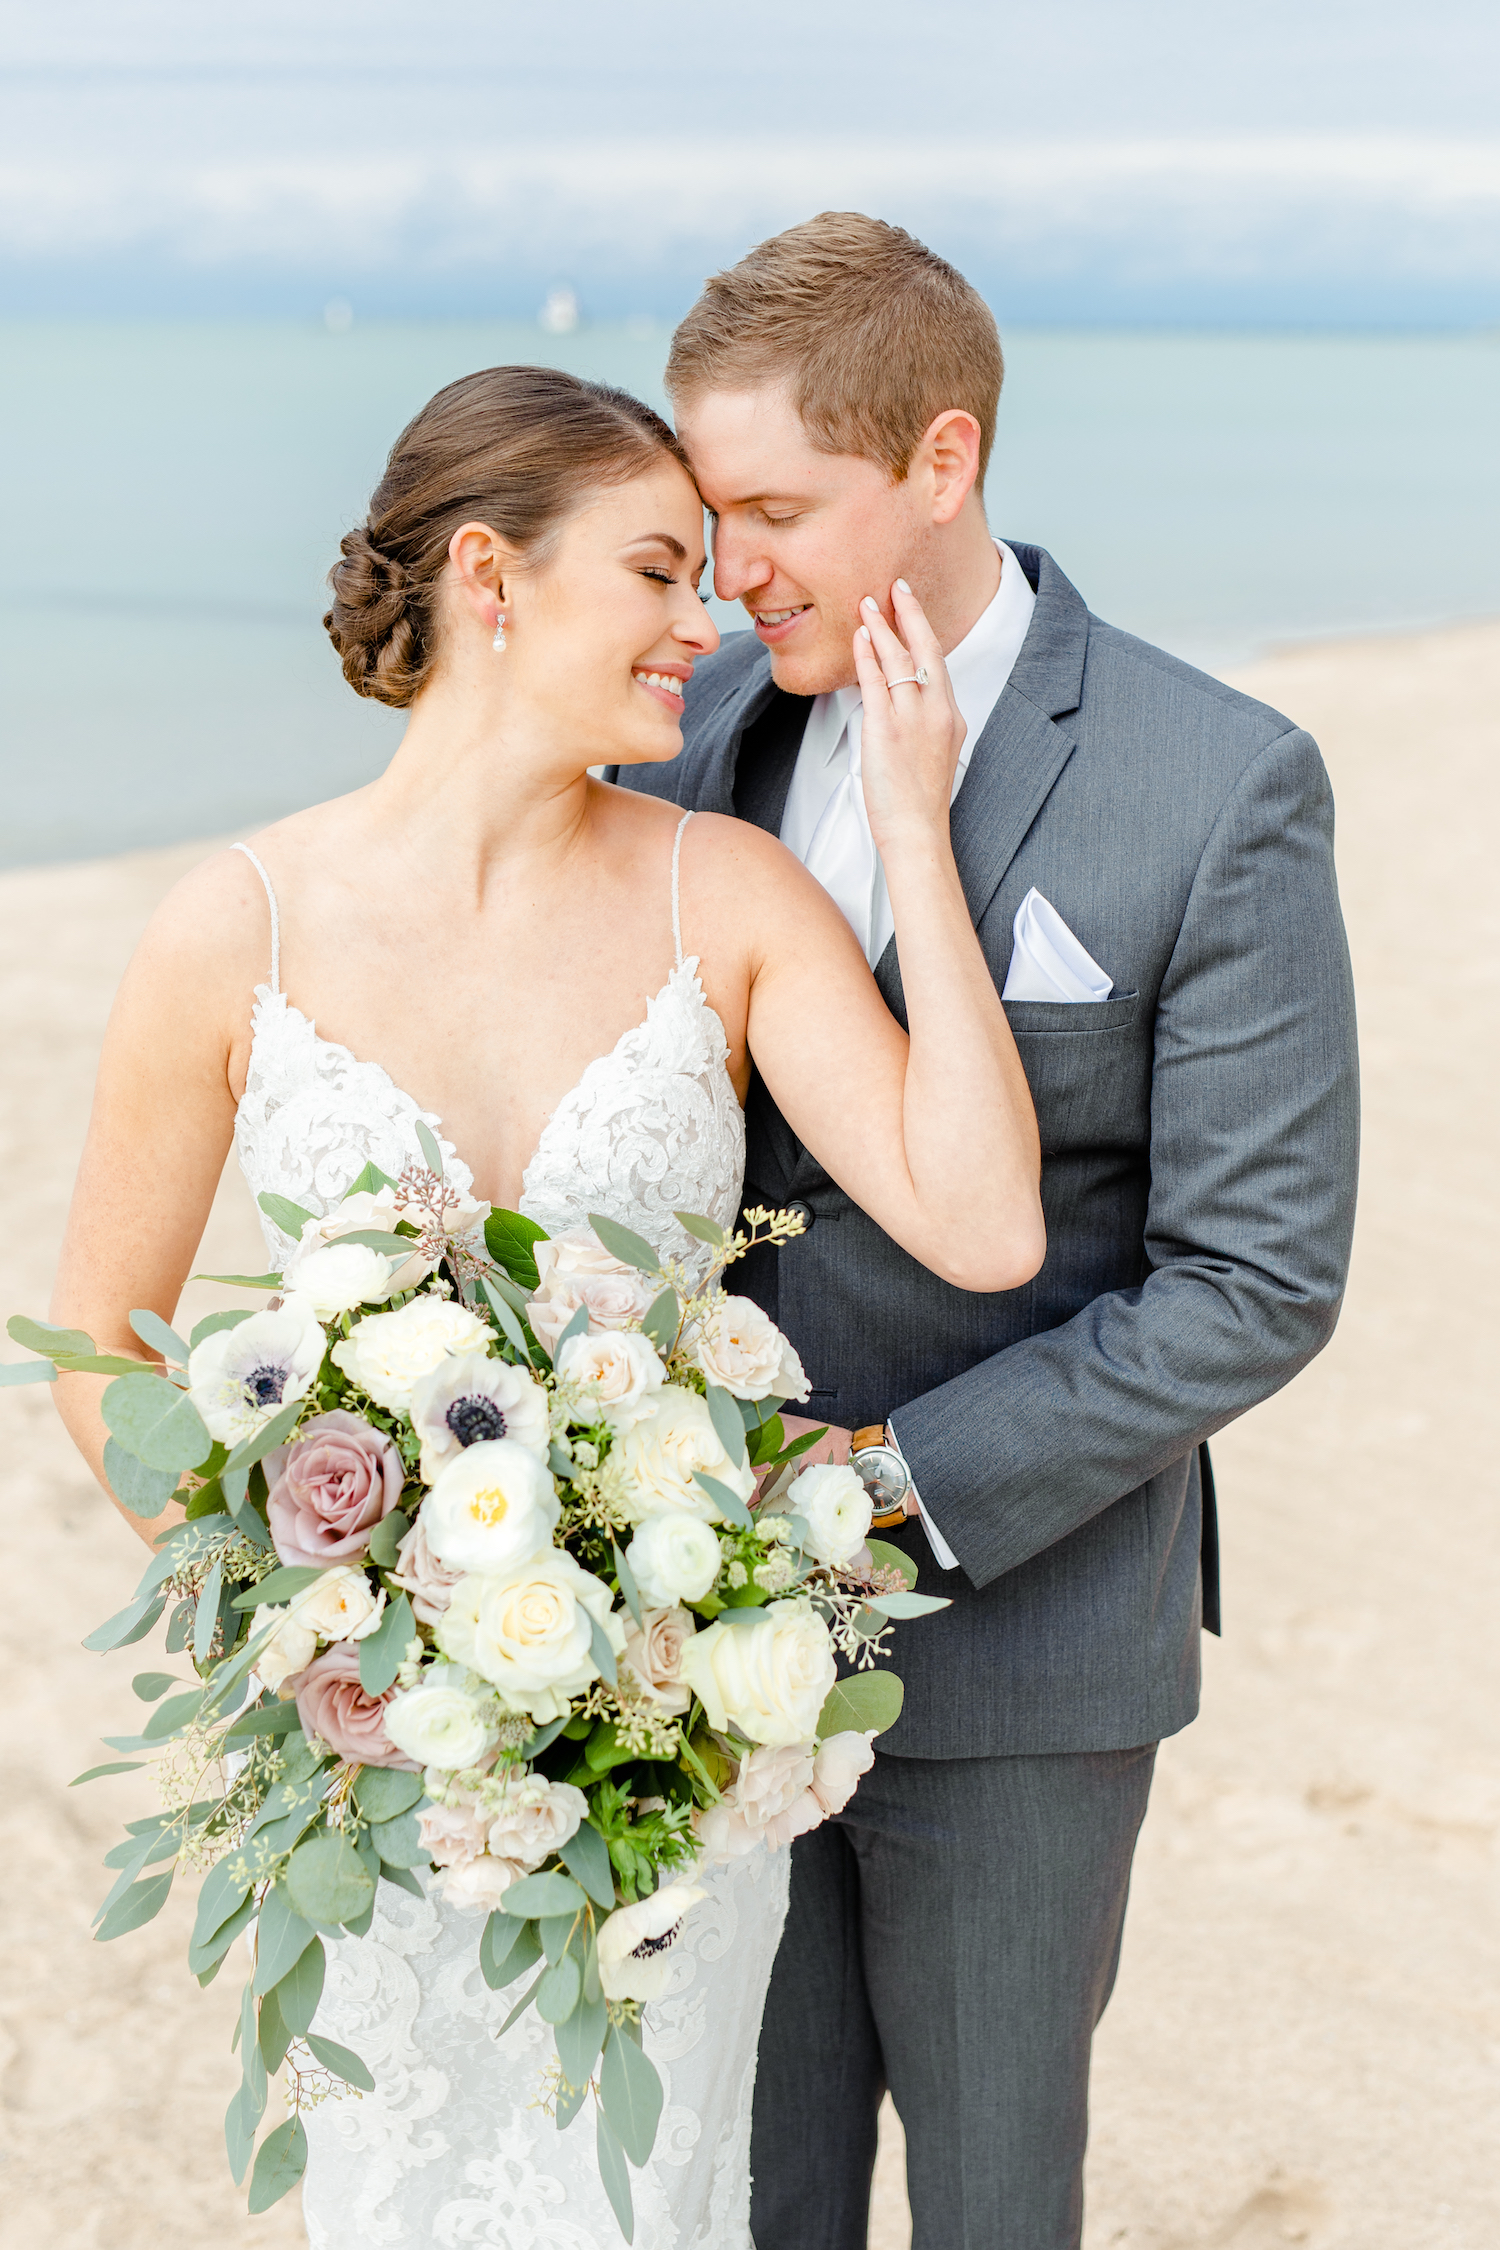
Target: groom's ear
{"points": [[945, 462]]}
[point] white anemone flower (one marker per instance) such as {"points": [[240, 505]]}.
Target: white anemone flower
{"points": [[469, 1400], [240, 1378], [635, 1943]]}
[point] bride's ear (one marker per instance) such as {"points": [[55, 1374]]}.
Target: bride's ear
{"points": [[482, 563]]}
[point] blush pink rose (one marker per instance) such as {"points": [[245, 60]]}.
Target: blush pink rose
{"points": [[452, 1834], [329, 1489], [331, 1703], [429, 1582]]}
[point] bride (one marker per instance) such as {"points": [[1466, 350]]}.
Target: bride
{"points": [[568, 984]]}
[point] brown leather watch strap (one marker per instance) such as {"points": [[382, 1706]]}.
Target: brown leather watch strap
{"points": [[872, 1434]]}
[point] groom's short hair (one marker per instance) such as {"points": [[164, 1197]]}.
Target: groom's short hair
{"points": [[873, 334]]}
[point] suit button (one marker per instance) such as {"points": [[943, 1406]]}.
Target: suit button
{"points": [[804, 1212]]}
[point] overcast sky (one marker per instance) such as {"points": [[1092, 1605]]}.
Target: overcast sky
{"points": [[1083, 159]]}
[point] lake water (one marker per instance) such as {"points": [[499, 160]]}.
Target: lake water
{"points": [[172, 495]]}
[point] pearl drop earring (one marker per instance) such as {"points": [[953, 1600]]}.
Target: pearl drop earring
{"points": [[498, 643]]}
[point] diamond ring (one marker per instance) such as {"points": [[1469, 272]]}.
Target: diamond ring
{"points": [[910, 679]]}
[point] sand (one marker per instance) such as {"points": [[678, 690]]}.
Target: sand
{"points": [[1304, 2045]]}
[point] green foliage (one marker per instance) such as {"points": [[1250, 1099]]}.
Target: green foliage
{"points": [[908, 1605], [403, 1879], [280, 2160], [281, 1939], [381, 1652], [579, 2036], [265, 1440], [533, 1895], [629, 1590], [729, 1504], [157, 1336], [560, 1990], [399, 1843], [725, 1413], [156, 1422], [370, 1182], [273, 2034], [631, 2093], [614, 2174], [507, 1950], [432, 1155], [239, 2135], [301, 1989], [662, 1319], [151, 1686], [342, 2061], [141, 1903], [326, 1882], [765, 1440], [280, 1586], [508, 1237], [703, 1230], [507, 1314], [242, 1280], [44, 1337], [381, 1792], [263, 1718], [17, 1371], [132, 1623], [213, 1323], [886, 1557], [600, 1650], [207, 1616], [630, 1248], [864, 1700], [97, 1773], [387, 1537], [225, 1888], [172, 1716], [586, 1856], [283, 1213], [520, 2008]]}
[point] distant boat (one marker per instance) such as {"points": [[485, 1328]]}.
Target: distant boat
{"points": [[559, 316]]}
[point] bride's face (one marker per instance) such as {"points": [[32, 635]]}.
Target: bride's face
{"points": [[603, 637]]}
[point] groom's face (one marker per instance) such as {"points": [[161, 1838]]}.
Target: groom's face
{"points": [[800, 537]]}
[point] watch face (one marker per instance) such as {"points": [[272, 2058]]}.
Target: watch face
{"points": [[884, 1476]]}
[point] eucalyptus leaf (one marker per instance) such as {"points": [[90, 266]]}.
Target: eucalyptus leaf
{"points": [[382, 1652], [557, 1932], [179, 1629], [326, 1882], [533, 1895], [136, 1851], [614, 2174], [224, 1890], [279, 1585], [15, 1372], [391, 1245], [702, 1229], [214, 1323], [387, 1537], [886, 1557], [301, 1989], [542, 1738], [403, 1878], [106, 1363], [560, 1990], [281, 1938], [97, 1773], [600, 1650], [908, 1605], [157, 1336], [239, 2135], [204, 1959], [662, 1319], [863, 1701], [172, 1716], [152, 1686], [381, 1792], [570, 2099], [729, 1504], [274, 2034], [157, 1423], [343, 2062], [520, 2008], [280, 2162], [629, 1588], [630, 1248], [127, 1625], [243, 1280], [44, 1337], [725, 1413], [505, 1313], [508, 1237], [207, 1616], [507, 1950], [145, 1492], [586, 1856], [631, 2092], [370, 1182], [283, 1213], [141, 1903], [577, 1326], [399, 1842], [263, 1441], [432, 1155]]}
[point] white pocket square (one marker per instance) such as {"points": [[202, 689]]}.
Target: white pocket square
{"points": [[1048, 962]]}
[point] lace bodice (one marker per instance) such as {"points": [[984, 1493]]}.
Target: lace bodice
{"points": [[651, 1128]]}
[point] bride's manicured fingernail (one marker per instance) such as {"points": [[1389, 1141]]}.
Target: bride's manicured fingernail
{"points": [[869, 602], [863, 633], [902, 587]]}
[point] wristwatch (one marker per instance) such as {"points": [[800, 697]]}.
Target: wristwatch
{"points": [[883, 1473]]}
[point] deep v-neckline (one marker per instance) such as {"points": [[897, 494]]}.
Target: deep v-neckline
{"points": [[687, 969]]}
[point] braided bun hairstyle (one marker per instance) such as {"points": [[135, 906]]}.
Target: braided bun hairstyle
{"points": [[520, 449]]}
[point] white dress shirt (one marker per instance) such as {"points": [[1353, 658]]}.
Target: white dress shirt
{"points": [[977, 671]]}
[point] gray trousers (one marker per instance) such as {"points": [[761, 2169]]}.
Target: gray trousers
{"points": [[953, 1936]]}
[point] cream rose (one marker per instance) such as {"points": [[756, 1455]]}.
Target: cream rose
{"points": [[534, 1818], [635, 1943], [388, 1353], [291, 1647], [478, 1883], [742, 1351], [527, 1631], [653, 1650], [768, 1679], [771, 1802], [467, 1400], [492, 1507], [365, 1213], [841, 1759], [439, 1721], [339, 1606], [450, 1834], [674, 1558], [574, 1270], [342, 1275], [661, 1451], [834, 1504], [621, 1371]]}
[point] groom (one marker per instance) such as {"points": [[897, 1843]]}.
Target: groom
{"points": [[1148, 859]]}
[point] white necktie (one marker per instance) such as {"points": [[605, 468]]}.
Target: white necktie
{"points": [[842, 853]]}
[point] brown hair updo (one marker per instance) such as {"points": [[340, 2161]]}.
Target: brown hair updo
{"points": [[517, 448]]}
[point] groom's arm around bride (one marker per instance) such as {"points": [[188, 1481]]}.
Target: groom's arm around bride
{"points": [[1147, 857]]}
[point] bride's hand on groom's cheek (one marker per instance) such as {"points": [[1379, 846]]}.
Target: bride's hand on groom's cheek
{"points": [[912, 730]]}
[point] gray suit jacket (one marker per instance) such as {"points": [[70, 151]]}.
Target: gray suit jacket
{"points": [[1199, 1133]]}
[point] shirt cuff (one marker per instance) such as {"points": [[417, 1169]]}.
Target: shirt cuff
{"points": [[942, 1553]]}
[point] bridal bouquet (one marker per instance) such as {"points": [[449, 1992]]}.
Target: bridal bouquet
{"points": [[496, 1569]]}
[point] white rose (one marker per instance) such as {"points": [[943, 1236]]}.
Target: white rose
{"points": [[480, 1883], [439, 1722], [675, 1558], [534, 1818], [340, 1276], [742, 1351], [841, 1759], [834, 1504], [575, 1269], [240, 1378], [290, 1649], [340, 1605], [661, 1451], [527, 1631], [469, 1399], [769, 1679], [620, 1371], [771, 1802], [653, 1650], [387, 1353], [365, 1213], [635, 1943], [493, 1506]]}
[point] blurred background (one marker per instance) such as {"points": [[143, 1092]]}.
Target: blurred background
{"points": [[1246, 264]]}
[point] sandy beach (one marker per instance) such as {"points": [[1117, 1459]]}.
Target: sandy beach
{"points": [[1304, 2045]]}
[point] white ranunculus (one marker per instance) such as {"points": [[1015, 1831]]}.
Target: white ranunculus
{"points": [[388, 1353], [364, 1213], [622, 1371], [479, 1883], [339, 1606], [342, 1276], [439, 1722], [527, 1631], [770, 1679], [240, 1378], [742, 1351], [466, 1400], [841, 1759], [653, 1651], [674, 1557], [535, 1817], [492, 1507], [635, 1942], [291, 1648], [660, 1452], [833, 1502]]}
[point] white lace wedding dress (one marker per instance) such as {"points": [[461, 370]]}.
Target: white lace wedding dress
{"points": [[452, 2148]]}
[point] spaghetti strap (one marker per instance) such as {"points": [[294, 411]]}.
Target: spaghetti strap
{"points": [[276, 918], [676, 888]]}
